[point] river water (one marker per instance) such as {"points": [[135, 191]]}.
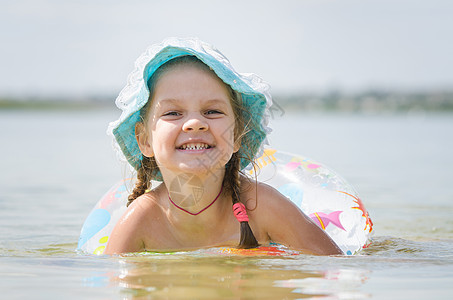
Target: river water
{"points": [[55, 165]]}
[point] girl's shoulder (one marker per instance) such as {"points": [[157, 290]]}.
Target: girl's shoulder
{"points": [[142, 210], [132, 231], [281, 221], [264, 201], [146, 205]]}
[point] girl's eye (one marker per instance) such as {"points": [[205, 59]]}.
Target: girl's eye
{"points": [[213, 112], [171, 114]]}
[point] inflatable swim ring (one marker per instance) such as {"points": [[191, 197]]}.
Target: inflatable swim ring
{"points": [[323, 195]]}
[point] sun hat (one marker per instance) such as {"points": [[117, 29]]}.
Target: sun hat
{"points": [[254, 91]]}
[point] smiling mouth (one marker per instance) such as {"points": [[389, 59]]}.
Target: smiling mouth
{"points": [[195, 146]]}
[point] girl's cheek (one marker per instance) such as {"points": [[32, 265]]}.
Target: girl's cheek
{"points": [[229, 137]]}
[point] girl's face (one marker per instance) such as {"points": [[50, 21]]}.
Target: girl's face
{"points": [[190, 128]]}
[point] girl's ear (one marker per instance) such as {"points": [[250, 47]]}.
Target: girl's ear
{"points": [[143, 140], [237, 145]]}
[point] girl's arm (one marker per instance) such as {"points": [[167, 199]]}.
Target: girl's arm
{"points": [[286, 224]]}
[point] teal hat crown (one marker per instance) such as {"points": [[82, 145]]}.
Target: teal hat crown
{"points": [[255, 94]]}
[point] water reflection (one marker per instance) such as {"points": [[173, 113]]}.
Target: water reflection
{"points": [[234, 277]]}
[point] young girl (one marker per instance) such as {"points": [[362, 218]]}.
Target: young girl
{"points": [[192, 122]]}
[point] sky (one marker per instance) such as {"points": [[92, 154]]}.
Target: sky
{"points": [[88, 47]]}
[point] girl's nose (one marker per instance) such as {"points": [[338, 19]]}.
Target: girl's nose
{"points": [[195, 123]]}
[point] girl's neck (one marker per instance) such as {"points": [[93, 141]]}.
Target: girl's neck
{"points": [[190, 194]]}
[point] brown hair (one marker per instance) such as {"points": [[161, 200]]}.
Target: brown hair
{"points": [[232, 179]]}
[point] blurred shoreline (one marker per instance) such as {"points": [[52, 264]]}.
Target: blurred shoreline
{"points": [[370, 101]]}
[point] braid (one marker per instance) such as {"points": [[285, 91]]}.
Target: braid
{"points": [[232, 181], [144, 176], [148, 167]]}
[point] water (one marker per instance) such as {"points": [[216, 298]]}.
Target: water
{"points": [[55, 166]]}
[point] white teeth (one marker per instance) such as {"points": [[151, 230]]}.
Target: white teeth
{"points": [[194, 146]]}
